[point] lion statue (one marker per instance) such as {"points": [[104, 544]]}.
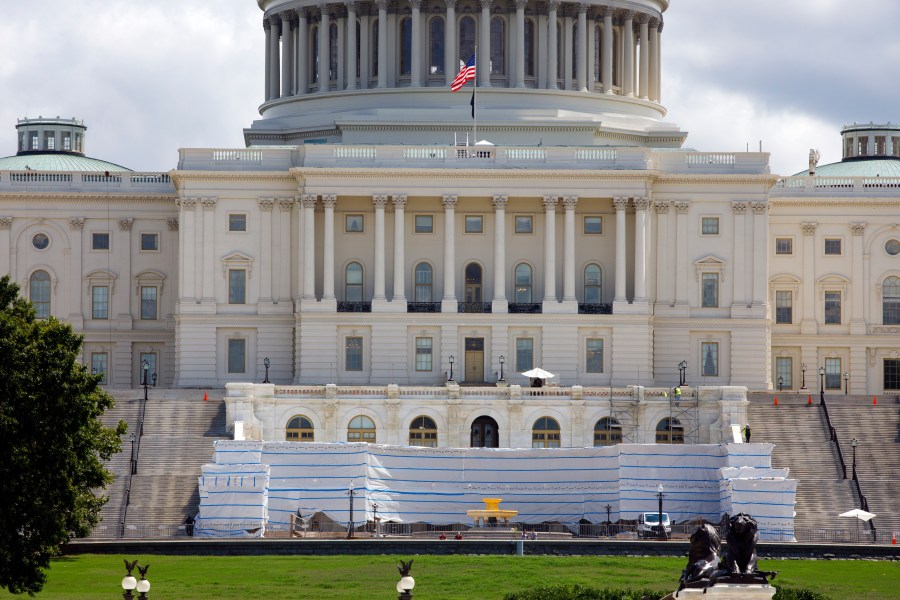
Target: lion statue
{"points": [[738, 564], [703, 557]]}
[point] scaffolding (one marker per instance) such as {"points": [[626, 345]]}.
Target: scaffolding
{"points": [[686, 412]]}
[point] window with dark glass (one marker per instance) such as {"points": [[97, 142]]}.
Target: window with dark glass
{"points": [[237, 222], [353, 354], [669, 431], [498, 46], [784, 372], [423, 432], [594, 355], [593, 284], [237, 355], [405, 46], [892, 374], [473, 282], [148, 303], [890, 302], [832, 308], [423, 354], [300, 429], [361, 429], [523, 277], [149, 242], [39, 293], [424, 224], [99, 362], [353, 223], [436, 46], [524, 224], [545, 433], [524, 354], [710, 225], [40, 241], [832, 246], [784, 307], [529, 48], [237, 286], [100, 241], [784, 246], [466, 39], [710, 290], [607, 432], [709, 359], [593, 225], [424, 283], [100, 302], [314, 55], [474, 224], [333, 52], [374, 52], [833, 373]]}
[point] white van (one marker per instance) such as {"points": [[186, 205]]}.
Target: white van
{"points": [[648, 525]]}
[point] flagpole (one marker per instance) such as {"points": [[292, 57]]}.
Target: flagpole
{"points": [[475, 100]]}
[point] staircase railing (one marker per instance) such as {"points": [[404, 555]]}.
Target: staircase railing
{"points": [[132, 465]]}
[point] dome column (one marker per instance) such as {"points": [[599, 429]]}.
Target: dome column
{"points": [[324, 49], [329, 201], [640, 249], [552, 45], [274, 63], [659, 63], [484, 54], [569, 204], [499, 305], [287, 55], [645, 57], [448, 302], [379, 201], [628, 53], [415, 79], [520, 43], [621, 205], [351, 45], [451, 54], [399, 202], [268, 29], [607, 66], [382, 42]]}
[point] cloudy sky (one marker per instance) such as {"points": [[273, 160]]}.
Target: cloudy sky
{"points": [[151, 77]]}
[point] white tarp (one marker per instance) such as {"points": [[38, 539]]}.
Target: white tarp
{"points": [[233, 500]]}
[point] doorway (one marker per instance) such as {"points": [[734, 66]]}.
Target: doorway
{"points": [[474, 360], [485, 433], [473, 283]]}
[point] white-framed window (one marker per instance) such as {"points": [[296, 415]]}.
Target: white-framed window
{"points": [[39, 293], [593, 225], [353, 353], [784, 372], [100, 240], [524, 354], [833, 373], [424, 224], [66, 141], [594, 355], [237, 222], [524, 224], [890, 301], [709, 225], [784, 307], [353, 283], [710, 290], [237, 355], [832, 307], [709, 359], [100, 302], [424, 354], [354, 223], [149, 303], [237, 286], [833, 246], [593, 284], [424, 291], [474, 224], [99, 364], [524, 280], [784, 245], [149, 242]]}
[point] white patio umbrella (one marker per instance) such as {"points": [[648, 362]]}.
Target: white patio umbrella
{"points": [[860, 514], [538, 373]]}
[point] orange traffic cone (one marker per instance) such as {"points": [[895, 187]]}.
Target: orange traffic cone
{"points": [[875, 400], [809, 400], [205, 397], [894, 538], [776, 400]]}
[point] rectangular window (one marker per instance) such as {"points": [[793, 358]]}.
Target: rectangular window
{"points": [[353, 223], [149, 242], [710, 290], [237, 286], [524, 224], [709, 359], [594, 355], [710, 225], [880, 143], [35, 141], [77, 142], [474, 224], [424, 224], [784, 372], [99, 360], [784, 307], [237, 222], [524, 354], [237, 356], [148, 303], [353, 354], [832, 373], [892, 374], [150, 359], [833, 246], [100, 241], [593, 225], [50, 141], [832, 308], [67, 141], [784, 245], [423, 354], [100, 302]]}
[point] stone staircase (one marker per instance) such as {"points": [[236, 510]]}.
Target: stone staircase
{"points": [[802, 444]]}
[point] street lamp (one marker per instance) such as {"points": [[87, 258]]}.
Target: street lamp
{"points": [[145, 379], [608, 508], [266, 364], [803, 373], [407, 583], [375, 516], [350, 492], [450, 379], [846, 382], [502, 360], [143, 586], [682, 372], [130, 584], [780, 383], [133, 438], [662, 528], [853, 444], [822, 385]]}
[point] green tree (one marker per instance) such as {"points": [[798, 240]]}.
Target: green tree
{"points": [[51, 441]]}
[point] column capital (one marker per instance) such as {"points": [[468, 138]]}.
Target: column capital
{"points": [[287, 16], [485, 3], [75, 223], [550, 202], [643, 18], [809, 228], [857, 229], [570, 202], [266, 25], [415, 3], [553, 5], [265, 204], [641, 203], [621, 202], [739, 208], [172, 222], [379, 200], [302, 12], [286, 203], [399, 201], [682, 206], [583, 7], [6, 222], [500, 202], [449, 201], [126, 223], [606, 11], [520, 4], [308, 200], [275, 23], [351, 5], [662, 207], [208, 203], [187, 203], [329, 200], [382, 4], [759, 208], [628, 15], [451, 3]]}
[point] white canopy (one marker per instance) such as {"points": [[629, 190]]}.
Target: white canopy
{"points": [[860, 514], [538, 373]]}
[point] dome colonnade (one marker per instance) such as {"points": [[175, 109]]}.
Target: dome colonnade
{"points": [[602, 47]]}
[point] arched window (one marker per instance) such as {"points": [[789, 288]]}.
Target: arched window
{"points": [[607, 432], [524, 284], [353, 283], [405, 46], [299, 429], [593, 284], [466, 39], [436, 46], [529, 48], [40, 293], [473, 282], [374, 52], [314, 55], [361, 429], [332, 52], [575, 50], [890, 291], [423, 432], [498, 46], [545, 433], [358, 49], [669, 431], [424, 283]]}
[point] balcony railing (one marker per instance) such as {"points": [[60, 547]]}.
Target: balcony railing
{"points": [[529, 308], [473, 307], [595, 309], [359, 307], [423, 307]]}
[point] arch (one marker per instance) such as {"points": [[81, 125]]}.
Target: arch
{"points": [[423, 432], [607, 432], [523, 278], [593, 284], [405, 50], [299, 429], [361, 428], [890, 301], [436, 50], [669, 431], [545, 433], [39, 288], [484, 432], [424, 282], [332, 51], [466, 38], [353, 282], [473, 275], [498, 46], [59, 234]]}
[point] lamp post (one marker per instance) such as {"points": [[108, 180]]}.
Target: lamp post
{"points": [[450, 379], [375, 517], [780, 383], [853, 444], [682, 373], [608, 508], [145, 379], [502, 360], [266, 364], [351, 492], [662, 528], [822, 385], [407, 583], [133, 438], [130, 584], [846, 382], [803, 376]]}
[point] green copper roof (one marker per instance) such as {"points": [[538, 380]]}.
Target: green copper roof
{"points": [[873, 167], [57, 161]]}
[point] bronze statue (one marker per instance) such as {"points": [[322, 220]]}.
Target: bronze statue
{"points": [[404, 568], [703, 557], [738, 565]]}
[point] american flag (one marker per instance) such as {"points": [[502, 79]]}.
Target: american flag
{"points": [[467, 73]]}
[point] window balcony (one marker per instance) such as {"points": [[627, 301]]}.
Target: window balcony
{"points": [[473, 307], [530, 308], [423, 307], [595, 309], [359, 307]]}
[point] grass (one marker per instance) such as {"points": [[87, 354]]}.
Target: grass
{"points": [[89, 577]]}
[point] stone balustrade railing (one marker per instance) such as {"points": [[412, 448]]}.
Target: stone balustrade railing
{"points": [[124, 182], [812, 185]]}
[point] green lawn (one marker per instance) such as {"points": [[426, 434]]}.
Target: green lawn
{"points": [[91, 577]]}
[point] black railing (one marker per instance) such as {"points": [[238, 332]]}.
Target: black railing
{"points": [[354, 307], [832, 433], [426, 307], [473, 307], [523, 308], [595, 309]]}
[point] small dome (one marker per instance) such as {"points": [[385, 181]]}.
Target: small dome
{"points": [[54, 144], [870, 167]]}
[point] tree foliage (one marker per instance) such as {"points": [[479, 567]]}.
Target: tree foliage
{"points": [[51, 441]]}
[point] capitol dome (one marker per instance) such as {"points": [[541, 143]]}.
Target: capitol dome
{"points": [[592, 79], [54, 144]]}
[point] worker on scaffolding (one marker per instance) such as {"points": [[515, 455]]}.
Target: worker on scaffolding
{"points": [[677, 394]]}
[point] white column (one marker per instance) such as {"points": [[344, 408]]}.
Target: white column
{"points": [[857, 318], [448, 304], [645, 58], [628, 53], [581, 58], [209, 256], [283, 275], [871, 147], [188, 249], [520, 43], [266, 268], [659, 63], [552, 75], [740, 254], [550, 249], [351, 46], [76, 224], [640, 249], [287, 54], [621, 249], [760, 252], [654, 61], [329, 201], [808, 320], [274, 63], [268, 52], [607, 66], [302, 58], [569, 202], [324, 48], [415, 79], [681, 249], [663, 252], [484, 46], [399, 201], [309, 247], [451, 54], [379, 201], [499, 303], [382, 42]]}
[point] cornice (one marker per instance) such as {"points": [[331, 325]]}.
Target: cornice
{"points": [[179, 177], [708, 178], [311, 174], [73, 196], [820, 202]]}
